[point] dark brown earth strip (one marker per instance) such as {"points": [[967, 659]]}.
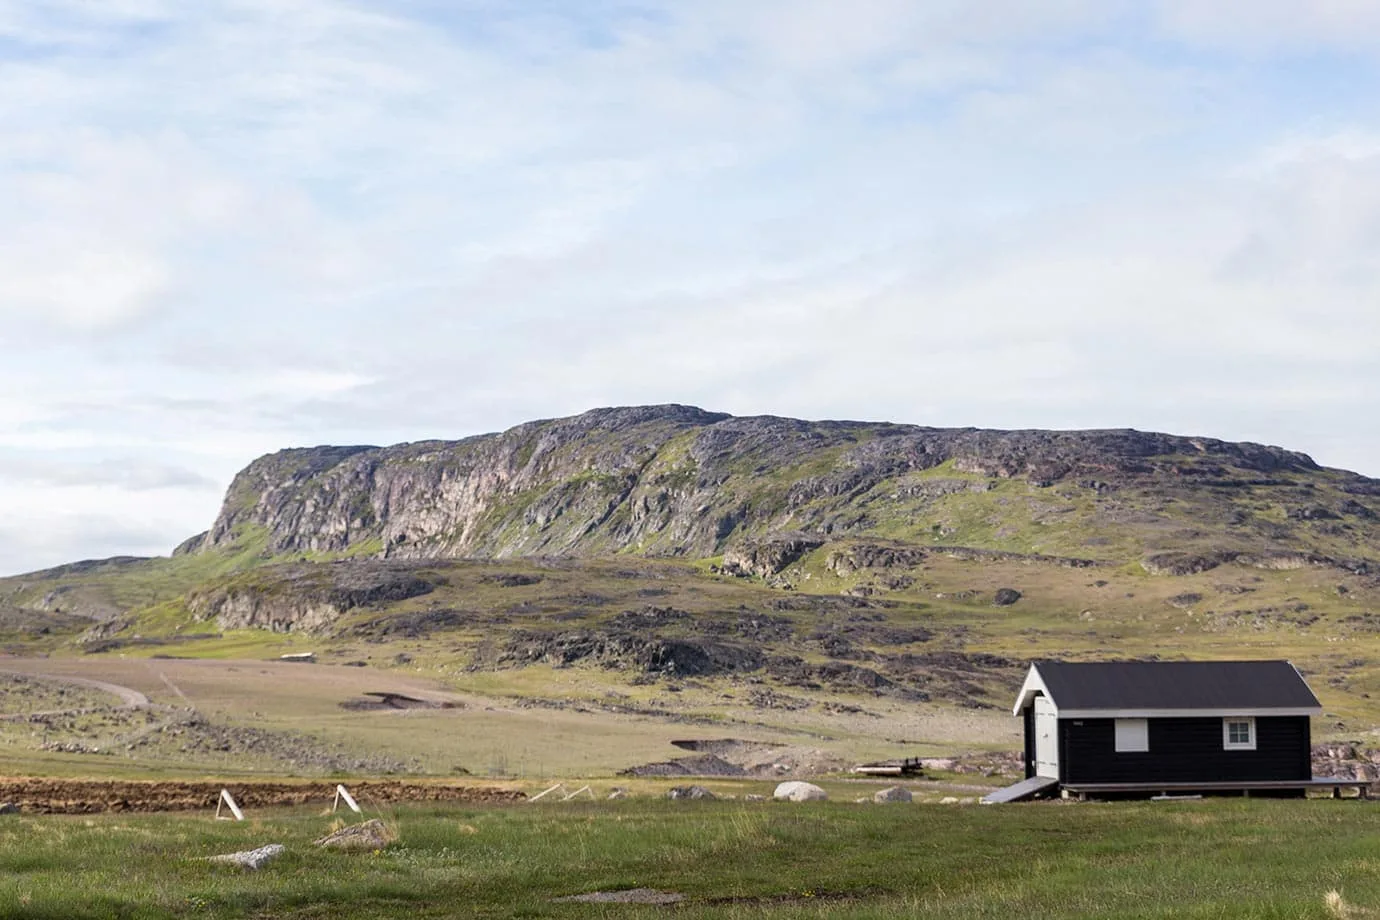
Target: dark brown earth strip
{"points": [[49, 796]]}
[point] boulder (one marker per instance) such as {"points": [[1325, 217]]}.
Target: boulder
{"points": [[251, 859], [690, 792], [371, 835], [894, 794], [9, 808], [1005, 597], [796, 791]]}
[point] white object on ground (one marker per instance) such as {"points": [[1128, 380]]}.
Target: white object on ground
{"points": [[796, 791], [342, 793], [251, 859], [227, 799]]}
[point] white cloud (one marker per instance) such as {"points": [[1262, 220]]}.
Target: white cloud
{"points": [[1264, 25], [241, 225]]}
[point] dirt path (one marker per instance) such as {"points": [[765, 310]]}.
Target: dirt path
{"points": [[132, 699]]}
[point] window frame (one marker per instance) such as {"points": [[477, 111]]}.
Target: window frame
{"points": [[1228, 744], [1122, 744]]}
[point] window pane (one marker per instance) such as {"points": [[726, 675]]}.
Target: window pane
{"points": [[1132, 736]]}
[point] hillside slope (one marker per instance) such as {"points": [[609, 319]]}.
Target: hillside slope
{"points": [[679, 481], [862, 584]]}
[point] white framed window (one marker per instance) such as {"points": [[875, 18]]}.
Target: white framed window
{"points": [[1132, 736], [1238, 733]]}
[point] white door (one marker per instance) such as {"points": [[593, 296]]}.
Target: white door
{"points": [[1046, 738]]}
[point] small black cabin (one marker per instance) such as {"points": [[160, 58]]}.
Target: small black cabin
{"points": [[1147, 727]]}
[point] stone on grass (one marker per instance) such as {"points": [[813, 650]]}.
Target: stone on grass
{"points": [[894, 794], [618, 793], [796, 791], [690, 792], [948, 800], [9, 808], [371, 835], [630, 896], [251, 859], [1005, 597], [754, 797]]}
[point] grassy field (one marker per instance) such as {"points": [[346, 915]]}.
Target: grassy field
{"points": [[1218, 859]]}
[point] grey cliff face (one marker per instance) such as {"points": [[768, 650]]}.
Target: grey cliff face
{"points": [[664, 480]]}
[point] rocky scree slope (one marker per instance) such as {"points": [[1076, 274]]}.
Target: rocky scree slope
{"points": [[680, 481]]}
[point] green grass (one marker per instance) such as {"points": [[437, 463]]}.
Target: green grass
{"points": [[1218, 859]]}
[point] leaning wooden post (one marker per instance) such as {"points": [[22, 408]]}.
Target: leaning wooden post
{"points": [[227, 799], [342, 793]]}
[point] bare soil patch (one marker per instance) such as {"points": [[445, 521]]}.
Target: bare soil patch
{"points": [[75, 797]]}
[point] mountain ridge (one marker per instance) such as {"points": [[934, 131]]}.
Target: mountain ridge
{"points": [[680, 481]]}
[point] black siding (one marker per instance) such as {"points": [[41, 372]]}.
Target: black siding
{"points": [[1184, 750]]}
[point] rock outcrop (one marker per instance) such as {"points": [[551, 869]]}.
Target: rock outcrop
{"points": [[680, 481], [370, 835], [305, 598], [251, 859]]}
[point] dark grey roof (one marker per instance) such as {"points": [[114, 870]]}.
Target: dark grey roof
{"points": [[1176, 685]]}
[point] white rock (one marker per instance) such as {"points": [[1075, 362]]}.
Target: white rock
{"points": [[948, 800], [894, 794], [796, 791], [251, 859]]}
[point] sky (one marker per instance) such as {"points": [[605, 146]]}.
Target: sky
{"points": [[234, 226]]}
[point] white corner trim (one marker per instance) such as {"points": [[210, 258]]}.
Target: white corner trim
{"points": [[1033, 684]]}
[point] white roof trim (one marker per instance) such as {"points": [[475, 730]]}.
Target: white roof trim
{"points": [[1033, 684], [1305, 683], [1184, 713]]}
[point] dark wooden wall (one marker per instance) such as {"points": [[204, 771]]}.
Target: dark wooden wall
{"points": [[1184, 750]]}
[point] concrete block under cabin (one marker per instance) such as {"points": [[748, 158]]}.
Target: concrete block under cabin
{"points": [[1142, 729]]}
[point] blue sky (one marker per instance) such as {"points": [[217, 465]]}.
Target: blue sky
{"points": [[238, 225]]}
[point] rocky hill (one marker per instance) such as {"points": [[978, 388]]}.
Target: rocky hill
{"points": [[678, 481]]}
